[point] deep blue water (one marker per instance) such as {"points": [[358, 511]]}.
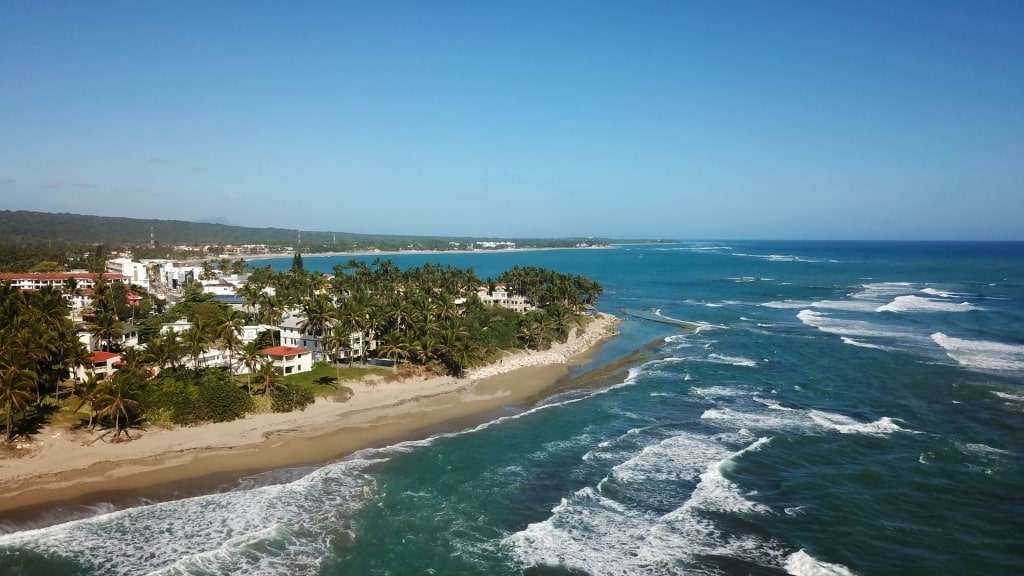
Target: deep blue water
{"points": [[845, 408]]}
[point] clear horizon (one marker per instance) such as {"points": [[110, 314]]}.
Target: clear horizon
{"points": [[747, 120]]}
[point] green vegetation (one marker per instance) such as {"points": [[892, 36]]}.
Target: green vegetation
{"points": [[427, 320], [65, 241]]}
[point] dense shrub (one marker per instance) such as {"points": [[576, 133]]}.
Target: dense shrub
{"points": [[286, 398], [177, 396], [220, 399]]}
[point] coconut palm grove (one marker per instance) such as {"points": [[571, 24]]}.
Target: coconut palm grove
{"points": [[422, 321]]}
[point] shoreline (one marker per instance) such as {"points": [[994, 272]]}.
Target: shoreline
{"points": [[63, 469], [276, 255]]}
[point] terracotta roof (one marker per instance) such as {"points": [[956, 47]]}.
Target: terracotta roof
{"points": [[283, 351], [101, 356]]}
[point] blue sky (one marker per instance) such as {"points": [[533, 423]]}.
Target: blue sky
{"points": [[782, 119]]}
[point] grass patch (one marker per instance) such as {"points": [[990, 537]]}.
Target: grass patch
{"points": [[326, 380]]}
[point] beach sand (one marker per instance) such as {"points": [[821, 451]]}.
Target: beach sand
{"points": [[59, 465]]}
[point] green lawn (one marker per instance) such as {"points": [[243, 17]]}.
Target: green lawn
{"points": [[323, 379]]}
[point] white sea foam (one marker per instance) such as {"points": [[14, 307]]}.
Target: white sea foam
{"points": [[845, 327], [846, 425], [801, 563], [788, 304], [219, 533], [770, 421], [714, 392], [1008, 396], [853, 342], [731, 360], [982, 354], [942, 293], [846, 305], [592, 532], [772, 404], [983, 450], [880, 290], [911, 303]]}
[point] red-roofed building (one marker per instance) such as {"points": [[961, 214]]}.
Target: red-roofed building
{"points": [[102, 364], [290, 359], [36, 280]]}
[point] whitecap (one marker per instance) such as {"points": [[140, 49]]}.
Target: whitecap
{"points": [[731, 360], [982, 354], [846, 425], [787, 304], [845, 327], [860, 344], [911, 303], [801, 563]]}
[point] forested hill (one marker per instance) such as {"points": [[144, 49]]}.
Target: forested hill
{"points": [[34, 227]]}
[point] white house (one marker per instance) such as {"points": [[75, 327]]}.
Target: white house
{"points": [[289, 359], [502, 296], [101, 363], [291, 335]]}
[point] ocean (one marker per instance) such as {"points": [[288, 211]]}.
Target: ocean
{"points": [[843, 408]]}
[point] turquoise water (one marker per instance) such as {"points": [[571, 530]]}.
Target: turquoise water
{"points": [[845, 408]]}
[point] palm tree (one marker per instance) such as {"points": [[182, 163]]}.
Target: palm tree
{"points": [[251, 291], [164, 350], [268, 375], [87, 393], [207, 272], [15, 393], [120, 398], [77, 356], [251, 358], [395, 347], [319, 313], [196, 340], [351, 319], [270, 310], [228, 332], [106, 328]]}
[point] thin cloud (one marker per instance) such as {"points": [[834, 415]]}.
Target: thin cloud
{"points": [[54, 184], [82, 184], [8, 182], [199, 169], [234, 197], [156, 160]]}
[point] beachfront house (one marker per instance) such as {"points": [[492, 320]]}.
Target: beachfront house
{"points": [[292, 335], [289, 359], [502, 296], [101, 364]]}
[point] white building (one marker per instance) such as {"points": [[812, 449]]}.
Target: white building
{"points": [[135, 272], [289, 359], [502, 296], [37, 280], [291, 335], [101, 364]]}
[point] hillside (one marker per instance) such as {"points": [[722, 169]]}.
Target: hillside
{"points": [[23, 227]]}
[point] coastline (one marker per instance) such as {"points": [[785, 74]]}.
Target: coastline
{"points": [[275, 255], [62, 468]]}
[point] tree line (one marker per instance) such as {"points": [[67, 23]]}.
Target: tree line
{"points": [[429, 319]]}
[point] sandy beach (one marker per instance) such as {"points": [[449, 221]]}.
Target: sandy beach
{"points": [[60, 465]]}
